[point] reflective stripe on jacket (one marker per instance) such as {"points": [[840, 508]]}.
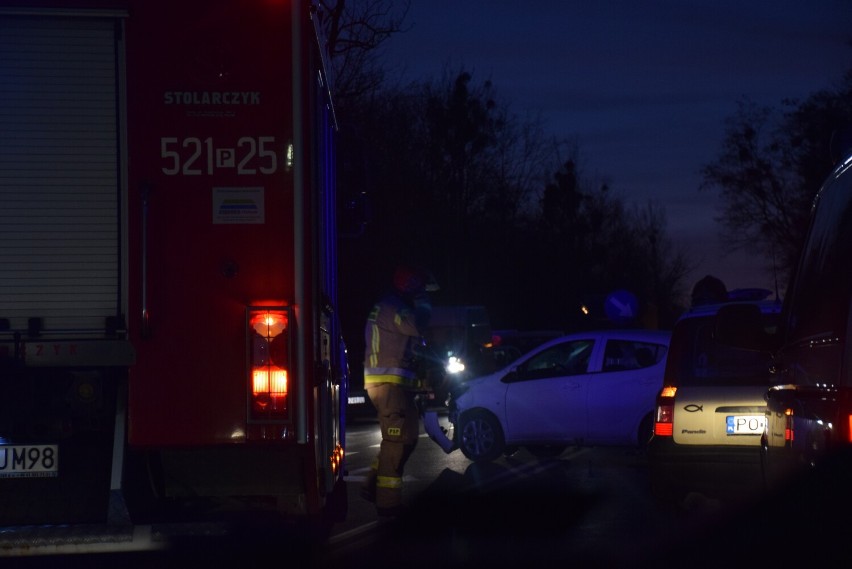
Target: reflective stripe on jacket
{"points": [[390, 334], [404, 377]]}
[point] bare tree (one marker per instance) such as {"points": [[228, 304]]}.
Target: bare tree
{"points": [[763, 210], [355, 30], [770, 167]]}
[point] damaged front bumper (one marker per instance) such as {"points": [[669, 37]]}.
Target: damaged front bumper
{"points": [[438, 433]]}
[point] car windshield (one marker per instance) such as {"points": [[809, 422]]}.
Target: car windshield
{"points": [[697, 359]]}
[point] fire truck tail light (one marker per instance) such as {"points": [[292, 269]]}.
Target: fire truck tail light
{"points": [[269, 324], [270, 380], [849, 429], [269, 363]]}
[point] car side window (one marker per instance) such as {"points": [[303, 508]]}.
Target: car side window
{"points": [[621, 355], [567, 358], [504, 355], [819, 299]]}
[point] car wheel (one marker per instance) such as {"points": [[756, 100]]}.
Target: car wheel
{"points": [[546, 451], [481, 437]]}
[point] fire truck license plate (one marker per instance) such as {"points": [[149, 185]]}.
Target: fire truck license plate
{"points": [[29, 461]]}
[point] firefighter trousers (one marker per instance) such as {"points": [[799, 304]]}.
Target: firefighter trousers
{"points": [[399, 421]]}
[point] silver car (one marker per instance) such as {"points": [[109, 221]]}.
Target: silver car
{"points": [[587, 388]]}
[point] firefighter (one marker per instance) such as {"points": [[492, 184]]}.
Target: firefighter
{"points": [[393, 334]]}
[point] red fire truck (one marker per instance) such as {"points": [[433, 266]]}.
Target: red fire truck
{"points": [[169, 344]]}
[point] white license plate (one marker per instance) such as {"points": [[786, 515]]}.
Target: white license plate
{"points": [[357, 400], [29, 461], [744, 424]]}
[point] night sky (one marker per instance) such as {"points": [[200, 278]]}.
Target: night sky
{"points": [[642, 87]]}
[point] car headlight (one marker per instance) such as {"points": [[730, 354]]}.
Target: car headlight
{"points": [[454, 365]]}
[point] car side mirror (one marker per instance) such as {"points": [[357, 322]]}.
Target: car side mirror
{"points": [[741, 326]]}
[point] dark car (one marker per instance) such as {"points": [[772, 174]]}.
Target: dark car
{"points": [[457, 347], [358, 405], [809, 405], [710, 411]]}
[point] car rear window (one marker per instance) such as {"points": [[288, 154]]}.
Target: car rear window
{"points": [[695, 358]]}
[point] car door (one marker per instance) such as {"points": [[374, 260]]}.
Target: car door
{"points": [[625, 390], [546, 398]]}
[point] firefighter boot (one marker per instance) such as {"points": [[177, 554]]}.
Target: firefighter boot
{"points": [[389, 488], [389, 479], [389, 496]]}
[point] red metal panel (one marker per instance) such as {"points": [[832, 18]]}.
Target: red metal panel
{"points": [[209, 124]]}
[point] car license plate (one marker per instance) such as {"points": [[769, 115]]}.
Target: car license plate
{"points": [[744, 424], [357, 400], [29, 461]]}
